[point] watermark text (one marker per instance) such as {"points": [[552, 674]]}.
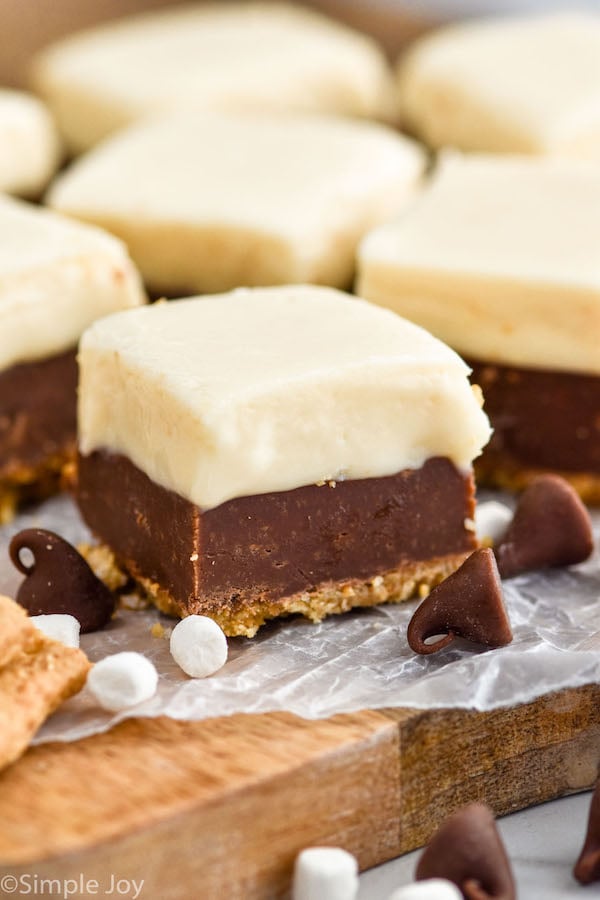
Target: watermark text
{"points": [[28, 885]]}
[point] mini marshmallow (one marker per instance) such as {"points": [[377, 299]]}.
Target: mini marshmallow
{"points": [[325, 873], [199, 646], [123, 680], [430, 889], [491, 520], [59, 627]]}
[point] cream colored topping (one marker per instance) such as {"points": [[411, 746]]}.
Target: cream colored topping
{"points": [[261, 56], [56, 278], [209, 202], [512, 84], [271, 389], [499, 258], [29, 145]]}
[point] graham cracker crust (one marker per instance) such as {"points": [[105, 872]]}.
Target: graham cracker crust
{"points": [[494, 472], [243, 617], [32, 484]]}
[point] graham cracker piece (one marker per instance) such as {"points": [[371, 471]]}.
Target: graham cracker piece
{"points": [[17, 633], [37, 676]]}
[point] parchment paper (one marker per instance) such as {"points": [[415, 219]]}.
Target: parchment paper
{"points": [[348, 662]]}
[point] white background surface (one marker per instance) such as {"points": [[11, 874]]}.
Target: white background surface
{"points": [[542, 842]]}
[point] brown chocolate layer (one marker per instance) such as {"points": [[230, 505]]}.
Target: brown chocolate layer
{"points": [[37, 418], [543, 421], [264, 548]]}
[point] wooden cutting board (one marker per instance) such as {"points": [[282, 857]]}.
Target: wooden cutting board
{"points": [[217, 810]]}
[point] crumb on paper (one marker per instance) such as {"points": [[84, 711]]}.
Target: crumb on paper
{"points": [[159, 631], [135, 602]]}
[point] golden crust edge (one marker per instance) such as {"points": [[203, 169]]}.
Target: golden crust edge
{"points": [[397, 585], [510, 476], [31, 484]]}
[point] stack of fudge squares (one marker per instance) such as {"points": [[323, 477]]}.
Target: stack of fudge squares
{"points": [[255, 441]]}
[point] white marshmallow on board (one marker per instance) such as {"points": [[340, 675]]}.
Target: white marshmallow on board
{"points": [[325, 873], [430, 889], [199, 646], [123, 680], [492, 520], [59, 627]]}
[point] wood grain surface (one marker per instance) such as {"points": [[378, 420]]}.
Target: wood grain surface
{"points": [[219, 809]]}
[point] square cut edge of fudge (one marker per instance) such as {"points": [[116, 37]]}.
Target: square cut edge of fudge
{"points": [[511, 282], [276, 451], [56, 277]]}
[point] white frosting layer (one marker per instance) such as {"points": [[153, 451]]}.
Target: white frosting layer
{"points": [[56, 278], [500, 258], [271, 389], [261, 56], [520, 84], [29, 145], [209, 202]]}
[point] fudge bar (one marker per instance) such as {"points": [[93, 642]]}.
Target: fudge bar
{"points": [[526, 84], [260, 56], [210, 202], [29, 145], [276, 451], [56, 278], [499, 258]]}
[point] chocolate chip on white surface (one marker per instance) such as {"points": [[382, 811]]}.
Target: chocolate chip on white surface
{"points": [[325, 873], [551, 527], [123, 680], [199, 646], [59, 580], [587, 867], [468, 604], [468, 850]]}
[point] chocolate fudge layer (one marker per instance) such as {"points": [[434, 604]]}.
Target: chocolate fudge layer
{"points": [[543, 422], [276, 451], [315, 550], [38, 426]]}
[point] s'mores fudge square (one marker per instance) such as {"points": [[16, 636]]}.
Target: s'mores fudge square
{"points": [[275, 451], [210, 202], [29, 144], [507, 85], [500, 258], [221, 56], [56, 278]]}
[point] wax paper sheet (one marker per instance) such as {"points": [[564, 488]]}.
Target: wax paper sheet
{"points": [[348, 662]]}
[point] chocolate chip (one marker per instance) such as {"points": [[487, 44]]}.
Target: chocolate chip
{"points": [[468, 604], [551, 527], [59, 580], [468, 850], [587, 867]]}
